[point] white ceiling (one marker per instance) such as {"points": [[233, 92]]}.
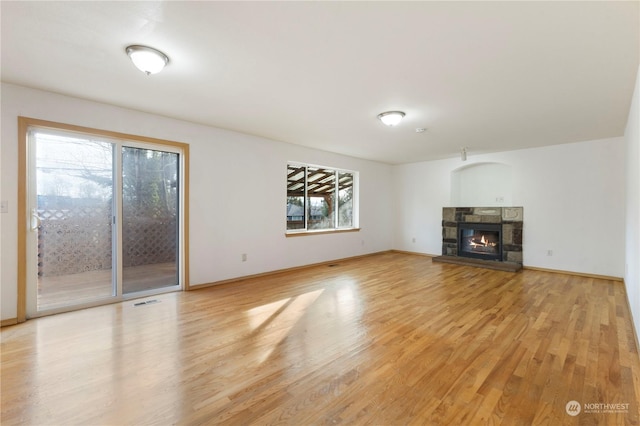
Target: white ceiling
{"points": [[491, 76]]}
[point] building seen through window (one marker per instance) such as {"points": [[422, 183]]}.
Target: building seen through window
{"points": [[319, 198]]}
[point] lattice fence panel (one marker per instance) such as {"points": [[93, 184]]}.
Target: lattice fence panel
{"points": [[77, 240], [148, 240], [74, 240]]}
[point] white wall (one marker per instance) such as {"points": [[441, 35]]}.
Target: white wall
{"points": [[482, 184], [632, 273], [237, 191], [580, 183], [572, 194]]}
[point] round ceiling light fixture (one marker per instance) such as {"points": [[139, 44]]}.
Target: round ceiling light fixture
{"points": [[391, 118], [147, 59]]}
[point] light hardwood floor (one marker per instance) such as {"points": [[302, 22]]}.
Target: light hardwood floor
{"points": [[388, 339]]}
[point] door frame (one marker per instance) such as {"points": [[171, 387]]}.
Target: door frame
{"points": [[23, 202]]}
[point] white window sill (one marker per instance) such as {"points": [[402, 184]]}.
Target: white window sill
{"points": [[306, 233]]}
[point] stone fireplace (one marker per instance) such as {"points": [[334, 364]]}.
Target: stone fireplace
{"points": [[483, 233]]}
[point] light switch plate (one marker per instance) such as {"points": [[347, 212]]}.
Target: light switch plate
{"points": [[4, 206]]}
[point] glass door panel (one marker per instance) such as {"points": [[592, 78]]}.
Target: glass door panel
{"points": [[73, 220], [150, 205]]}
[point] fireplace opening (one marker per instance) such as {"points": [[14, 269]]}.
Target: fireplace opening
{"points": [[480, 241]]}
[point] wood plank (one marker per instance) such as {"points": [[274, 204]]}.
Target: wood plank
{"points": [[386, 339]]}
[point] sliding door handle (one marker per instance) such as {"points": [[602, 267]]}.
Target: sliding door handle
{"points": [[35, 220]]}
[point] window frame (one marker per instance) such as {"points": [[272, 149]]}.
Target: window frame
{"points": [[335, 213]]}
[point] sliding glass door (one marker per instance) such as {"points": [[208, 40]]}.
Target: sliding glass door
{"points": [[104, 220], [71, 220], [150, 206]]}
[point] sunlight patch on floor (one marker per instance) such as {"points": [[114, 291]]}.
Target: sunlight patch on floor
{"points": [[272, 322]]}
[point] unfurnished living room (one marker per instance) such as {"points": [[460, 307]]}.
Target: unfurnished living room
{"points": [[304, 213]]}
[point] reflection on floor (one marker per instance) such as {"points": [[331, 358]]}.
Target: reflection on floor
{"points": [[63, 290]]}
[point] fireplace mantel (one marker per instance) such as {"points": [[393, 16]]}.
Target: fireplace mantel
{"points": [[509, 218]]}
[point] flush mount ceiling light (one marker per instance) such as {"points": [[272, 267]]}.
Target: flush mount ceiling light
{"points": [[391, 118], [147, 59]]}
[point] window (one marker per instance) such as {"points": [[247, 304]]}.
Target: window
{"points": [[320, 198]]}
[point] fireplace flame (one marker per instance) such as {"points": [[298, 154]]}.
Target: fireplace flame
{"points": [[482, 242]]}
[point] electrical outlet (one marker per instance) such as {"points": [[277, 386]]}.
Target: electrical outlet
{"points": [[413, 240], [244, 257], [549, 252]]}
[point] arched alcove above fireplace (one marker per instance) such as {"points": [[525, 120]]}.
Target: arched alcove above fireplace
{"points": [[482, 184]]}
